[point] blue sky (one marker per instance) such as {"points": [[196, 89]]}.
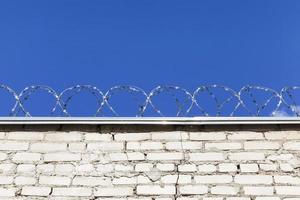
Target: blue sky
{"points": [[61, 43]]}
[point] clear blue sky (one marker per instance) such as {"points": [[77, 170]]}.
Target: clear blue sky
{"points": [[146, 43]]}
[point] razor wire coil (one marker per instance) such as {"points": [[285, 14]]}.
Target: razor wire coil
{"points": [[251, 100]]}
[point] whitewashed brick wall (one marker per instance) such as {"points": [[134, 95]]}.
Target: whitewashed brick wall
{"points": [[220, 165]]}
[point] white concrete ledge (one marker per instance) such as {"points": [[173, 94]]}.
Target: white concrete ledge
{"points": [[150, 120]]}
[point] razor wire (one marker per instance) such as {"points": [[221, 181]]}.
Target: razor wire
{"points": [[173, 101]]}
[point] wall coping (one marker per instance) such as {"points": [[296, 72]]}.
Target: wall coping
{"points": [[148, 120]]}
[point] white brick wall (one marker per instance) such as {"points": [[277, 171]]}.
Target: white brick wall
{"points": [[184, 165]]}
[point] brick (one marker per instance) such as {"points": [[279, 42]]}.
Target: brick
{"points": [[45, 168], [212, 198], [188, 198], [286, 167], [154, 175], [206, 156], [143, 180], [94, 156], [213, 179], [55, 180], [3, 156], [132, 136], [267, 198], [227, 167], [72, 191], [292, 146], [261, 145], [223, 146], [184, 179], [238, 198], [155, 190], [256, 190], [84, 169], [26, 169], [246, 135], [13, 146], [207, 168], [8, 168], [183, 145], [135, 156], [164, 156], [25, 180], [64, 169], [169, 179], [105, 168], [143, 167], [187, 168], [169, 136], [206, 136], [26, 157], [77, 147], [133, 146], [282, 135], [7, 192], [98, 137], [249, 167], [246, 156], [268, 167], [253, 179], [165, 167], [25, 136], [145, 198], [151, 145], [124, 181], [48, 147], [105, 146], [123, 168], [5, 180], [193, 189], [35, 191], [114, 191], [144, 145], [62, 156], [288, 190], [280, 157], [63, 136], [91, 181], [287, 180], [226, 190], [118, 156], [291, 199]]}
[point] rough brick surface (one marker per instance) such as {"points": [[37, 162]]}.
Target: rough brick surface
{"points": [[157, 165]]}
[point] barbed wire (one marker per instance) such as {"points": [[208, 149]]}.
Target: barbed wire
{"points": [[207, 100]]}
